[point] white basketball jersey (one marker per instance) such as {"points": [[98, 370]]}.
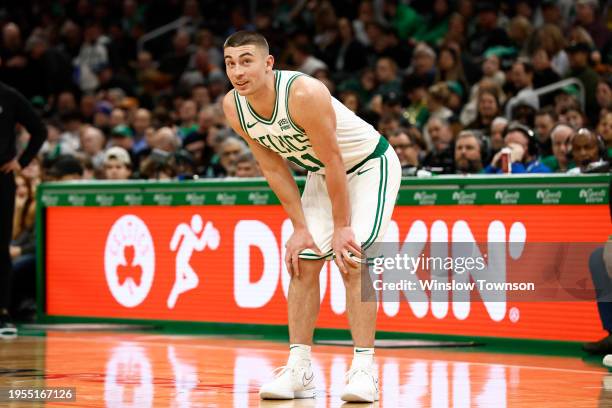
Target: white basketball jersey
{"points": [[356, 138]]}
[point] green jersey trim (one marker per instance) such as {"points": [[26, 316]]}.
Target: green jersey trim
{"points": [[239, 109], [380, 150], [291, 122], [261, 118], [380, 207]]}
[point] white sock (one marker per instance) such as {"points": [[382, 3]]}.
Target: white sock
{"points": [[298, 352], [363, 356]]}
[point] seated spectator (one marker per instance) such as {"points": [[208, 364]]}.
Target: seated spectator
{"points": [[140, 124], [187, 115], [579, 63], [165, 139], [117, 164], [589, 153], [604, 128], [229, 150], [388, 124], [184, 165], [604, 93], [544, 74], [23, 249], [498, 128], [470, 153], [121, 136], [66, 168], [424, 63], [304, 60], [92, 145], [440, 158], [545, 120], [488, 108], [408, 148], [200, 152], [386, 76], [54, 145], [524, 157], [415, 90], [437, 99], [160, 165], [246, 166], [560, 137], [523, 107]]}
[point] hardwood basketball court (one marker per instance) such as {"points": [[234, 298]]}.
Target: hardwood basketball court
{"points": [[150, 370]]}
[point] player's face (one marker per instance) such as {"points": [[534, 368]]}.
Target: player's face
{"points": [[246, 67]]}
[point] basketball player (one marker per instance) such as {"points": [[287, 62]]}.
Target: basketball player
{"points": [[351, 187]]}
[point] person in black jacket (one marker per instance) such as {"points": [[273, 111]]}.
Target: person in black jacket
{"points": [[14, 109]]}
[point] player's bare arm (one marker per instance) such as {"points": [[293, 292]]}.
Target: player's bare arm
{"points": [[281, 181], [320, 126]]}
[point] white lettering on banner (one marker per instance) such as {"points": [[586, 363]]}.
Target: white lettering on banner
{"points": [[129, 377], [461, 244], [248, 233], [185, 240], [129, 260], [414, 244], [185, 379], [439, 298]]}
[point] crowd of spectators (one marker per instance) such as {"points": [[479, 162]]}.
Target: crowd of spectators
{"points": [[449, 84]]}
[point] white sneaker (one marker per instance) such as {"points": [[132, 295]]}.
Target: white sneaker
{"points": [[291, 382], [362, 384]]}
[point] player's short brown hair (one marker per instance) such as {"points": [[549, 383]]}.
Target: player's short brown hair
{"points": [[240, 38]]}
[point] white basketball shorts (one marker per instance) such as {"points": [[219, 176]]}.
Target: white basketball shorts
{"points": [[372, 187]]}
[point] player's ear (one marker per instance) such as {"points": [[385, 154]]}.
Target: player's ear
{"points": [[269, 63]]}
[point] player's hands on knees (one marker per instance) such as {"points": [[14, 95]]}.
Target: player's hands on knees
{"points": [[297, 242], [344, 245]]}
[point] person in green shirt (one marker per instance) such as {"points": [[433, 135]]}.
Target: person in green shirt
{"points": [[560, 136], [403, 18]]}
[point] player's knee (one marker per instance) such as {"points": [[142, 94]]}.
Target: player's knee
{"points": [[306, 277], [352, 276]]}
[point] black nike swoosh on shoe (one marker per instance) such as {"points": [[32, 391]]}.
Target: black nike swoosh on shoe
{"points": [[306, 380]]}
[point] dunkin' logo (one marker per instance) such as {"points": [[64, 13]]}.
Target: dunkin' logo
{"points": [[129, 260]]}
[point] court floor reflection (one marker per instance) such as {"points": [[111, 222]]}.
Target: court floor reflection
{"points": [[144, 370]]}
